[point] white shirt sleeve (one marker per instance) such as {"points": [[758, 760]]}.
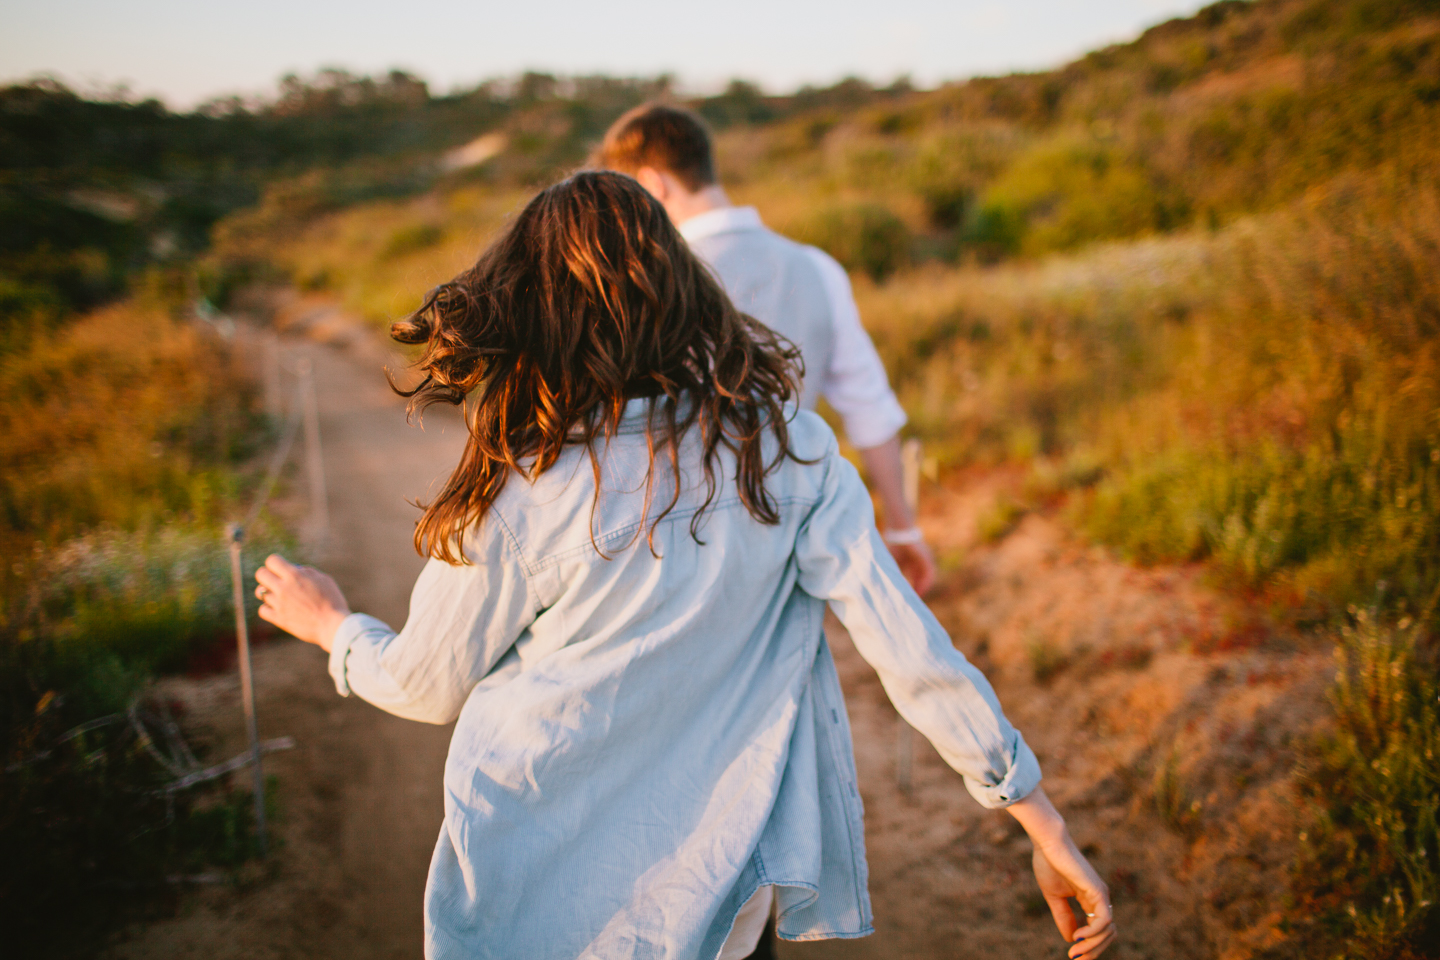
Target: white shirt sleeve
{"points": [[855, 383]]}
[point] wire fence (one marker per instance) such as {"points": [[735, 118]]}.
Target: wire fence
{"points": [[303, 420]]}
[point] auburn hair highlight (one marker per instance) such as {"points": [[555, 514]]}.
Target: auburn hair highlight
{"points": [[589, 299]]}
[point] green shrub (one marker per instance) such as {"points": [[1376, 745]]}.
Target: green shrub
{"points": [[1330, 521], [1066, 192], [949, 170], [152, 600], [411, 239], [866, 237]]}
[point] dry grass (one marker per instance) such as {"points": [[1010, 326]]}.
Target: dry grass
{"points": [[1268, 396], [126, 418]]}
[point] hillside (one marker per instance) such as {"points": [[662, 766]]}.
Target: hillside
{"points": [[1182, 292], [1070, 269], [1167, 319]]}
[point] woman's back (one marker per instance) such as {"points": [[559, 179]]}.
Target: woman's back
{"points": [[641, 724]]}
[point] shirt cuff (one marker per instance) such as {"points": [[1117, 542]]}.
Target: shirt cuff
{"points": [[877, 423], [1019, 782], [346, 634]]}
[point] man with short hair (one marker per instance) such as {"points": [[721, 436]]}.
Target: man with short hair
{"points": [[796, 290]]}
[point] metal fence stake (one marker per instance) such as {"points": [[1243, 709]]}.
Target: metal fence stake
{"points": [[236, 536], [910, 463], [314, 461]]}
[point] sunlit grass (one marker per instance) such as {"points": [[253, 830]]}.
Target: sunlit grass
{"points": [[1368, 879], [1267, 397]]}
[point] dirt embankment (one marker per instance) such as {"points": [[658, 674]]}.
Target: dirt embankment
{"points": [[1165, 723], [1165, 719]]}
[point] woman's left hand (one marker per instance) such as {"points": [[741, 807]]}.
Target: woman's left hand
{"points": [[300, 600]]}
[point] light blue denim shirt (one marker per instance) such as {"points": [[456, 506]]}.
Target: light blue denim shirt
{"points": [[646, 737]]}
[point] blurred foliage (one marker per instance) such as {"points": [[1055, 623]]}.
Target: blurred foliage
{"points": [[88, 836], [127, 417], [1368, 878], [866, 238], [126, 432], [154, 600]]}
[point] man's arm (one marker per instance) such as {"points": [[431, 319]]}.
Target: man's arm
{"points": [[857, 388], [902, 536]]}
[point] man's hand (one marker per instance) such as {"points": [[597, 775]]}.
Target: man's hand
{"points": [[887, 478], [916, 563], [301, 601]]}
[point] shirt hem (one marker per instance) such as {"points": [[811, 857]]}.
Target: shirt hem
{"points": [[828, 935]]}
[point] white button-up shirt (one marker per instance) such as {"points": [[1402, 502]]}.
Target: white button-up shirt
{"points": [[803, 294], [646, 737]]}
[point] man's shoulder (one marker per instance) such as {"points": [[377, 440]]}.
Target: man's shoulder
{"points": [[828, 266], [765, 245], [752, 237]]}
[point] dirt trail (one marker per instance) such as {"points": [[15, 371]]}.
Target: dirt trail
{"points": [[1129, 684]]}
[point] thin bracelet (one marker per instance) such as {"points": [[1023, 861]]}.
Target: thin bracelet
{"points": [[908, 537]]}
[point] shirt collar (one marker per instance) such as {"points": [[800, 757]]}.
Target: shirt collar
{"points": [[723, 220]]}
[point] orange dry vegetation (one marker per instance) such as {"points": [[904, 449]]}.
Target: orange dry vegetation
{"points": [[122, 419]]}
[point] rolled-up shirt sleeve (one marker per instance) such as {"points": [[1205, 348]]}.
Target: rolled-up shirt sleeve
{"points": [[843, 561], [854, 383], [463, 620]]}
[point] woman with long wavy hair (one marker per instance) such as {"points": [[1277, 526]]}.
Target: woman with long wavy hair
{"points": [[623, 610]]}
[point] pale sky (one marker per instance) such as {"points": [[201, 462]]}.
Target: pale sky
{"points": [[186, 51]]}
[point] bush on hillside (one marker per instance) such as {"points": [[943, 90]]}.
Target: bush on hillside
{"points": [[864, 237], [151, 411], [1307, 397], [950, 169], [1067, 192]]}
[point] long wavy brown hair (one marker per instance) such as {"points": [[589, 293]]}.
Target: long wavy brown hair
{"points": [[589, 299]]}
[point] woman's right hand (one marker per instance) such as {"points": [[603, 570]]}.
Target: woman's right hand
{"points": [[302, 601]]}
